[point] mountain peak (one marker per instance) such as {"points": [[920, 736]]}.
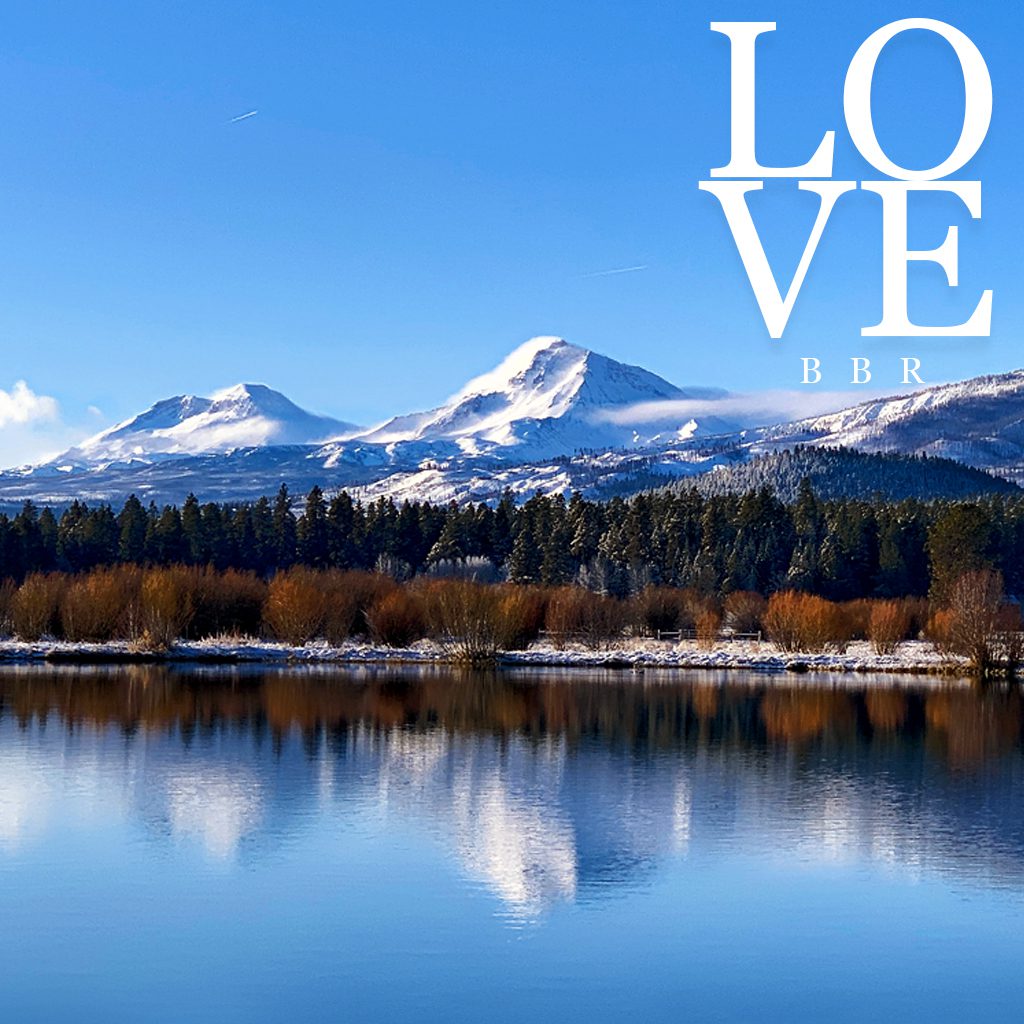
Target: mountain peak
{"points": [[547, 397], [241, 416], [522, 359], [239, 392]]}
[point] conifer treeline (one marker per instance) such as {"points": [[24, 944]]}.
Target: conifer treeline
{"points": [[839, 549]]}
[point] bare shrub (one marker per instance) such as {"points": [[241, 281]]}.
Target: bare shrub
{"points": [[744, 611], [709, 625], [656, 610], [919, 610], [521, 613], [397, 618], [296, 605], [227, 603], [575, 613], [857, 614], [35, 608], [96, 607], [692, 604], [976, 600], [465, 616], [803, 622], [938, 631], [888, 624], [167, 603], [349, 597]]}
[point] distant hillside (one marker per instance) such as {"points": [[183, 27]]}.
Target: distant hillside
{"points": [[845, 473]]}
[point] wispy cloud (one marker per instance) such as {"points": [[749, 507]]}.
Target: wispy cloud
{"points": [[616, 270], [242, 117], [755, 409]]}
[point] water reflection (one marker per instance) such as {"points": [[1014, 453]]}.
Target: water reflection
{"points": [[546, 789]]}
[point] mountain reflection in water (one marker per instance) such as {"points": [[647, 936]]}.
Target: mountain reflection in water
{"points": [[546, 788]]}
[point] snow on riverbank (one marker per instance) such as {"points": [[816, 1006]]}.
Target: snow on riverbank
{"points": [[910, 657]]}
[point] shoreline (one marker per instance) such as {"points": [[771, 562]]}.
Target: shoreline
{"points": [[913, 657]]}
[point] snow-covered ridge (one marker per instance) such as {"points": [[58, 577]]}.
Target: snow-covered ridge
{"points": [[246, 415], [552, 416], [979, 422]]}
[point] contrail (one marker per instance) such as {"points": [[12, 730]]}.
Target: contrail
{"points": [[616, 270], [242, 117]]}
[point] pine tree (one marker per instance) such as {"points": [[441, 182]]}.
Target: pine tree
{"points": [[191, 527], [132, 523], [450, 546], [166, 540], [809, 525], [960, 540], [264, 537], [29, 536], [312, 532], [284, 531]]}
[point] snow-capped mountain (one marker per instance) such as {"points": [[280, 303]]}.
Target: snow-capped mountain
{"points": [[243, 416], [552, 416], [551, 398], [979, 422]]}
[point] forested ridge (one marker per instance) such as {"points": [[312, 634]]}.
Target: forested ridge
{"points": [[847, 473], [840, 549]]}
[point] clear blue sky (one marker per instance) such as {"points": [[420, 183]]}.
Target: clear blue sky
{"points": [[426, 185]]}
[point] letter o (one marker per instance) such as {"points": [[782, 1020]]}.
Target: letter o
{"points": [[977, 99]]}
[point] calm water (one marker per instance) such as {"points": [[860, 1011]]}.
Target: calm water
{"points": [[379, 845]]}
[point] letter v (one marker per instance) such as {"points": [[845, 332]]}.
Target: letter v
{"points": [[732, 196]]}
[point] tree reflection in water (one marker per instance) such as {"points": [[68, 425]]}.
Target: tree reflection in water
{"points": [[557, 786]]}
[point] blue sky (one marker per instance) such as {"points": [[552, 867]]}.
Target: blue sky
{"points": [[426, 185]]}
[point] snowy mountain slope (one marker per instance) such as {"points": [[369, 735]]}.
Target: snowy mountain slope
{"points": [[245, 415], [552, 417], [549, 398], [979, 422]]}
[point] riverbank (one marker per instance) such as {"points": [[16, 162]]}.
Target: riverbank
{"points": [[912, 656]]}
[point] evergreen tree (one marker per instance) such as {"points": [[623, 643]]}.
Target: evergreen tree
{"points": [[312, 532], [29, 536], [165, 540], [264, 537], [132, 524], [285, 532], [809, 527], [196, 552], [960, 540]]}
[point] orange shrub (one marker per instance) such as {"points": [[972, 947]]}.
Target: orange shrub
{"points": [[888, 623], [803, 622], [35, 608], [167, 603], [709, 625], [939, 631], [296, 605], [229, 602], [575, 613], [858, 617], [98, 606], [349, 597], [520, 616], [397, 618], [465, 616]]}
